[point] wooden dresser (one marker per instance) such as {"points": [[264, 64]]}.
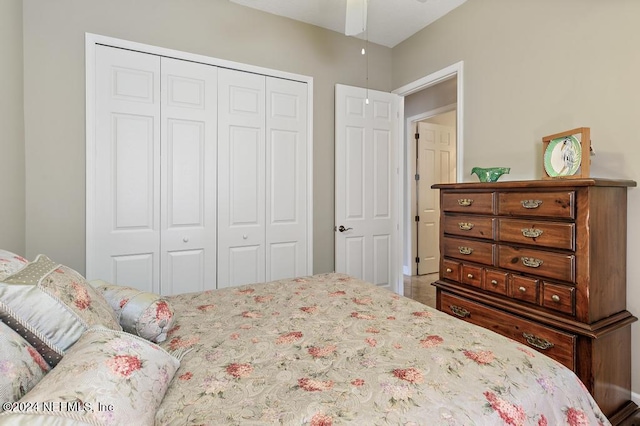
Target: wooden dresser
{"points": [[544, 263]]}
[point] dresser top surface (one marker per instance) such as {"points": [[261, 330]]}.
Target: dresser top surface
{"points": [[546, 183]]}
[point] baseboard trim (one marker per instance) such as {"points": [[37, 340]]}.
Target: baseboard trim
{"points": [[635, 397]]}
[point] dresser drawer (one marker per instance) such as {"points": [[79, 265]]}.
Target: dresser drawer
{"points": [[541, 204], [523, 288], [495, 281], [559, 345], [467, 202], [450, 270], [545, 264], [469, 250], [472, 275], [539, 233], [558, 297], [469, 226]]}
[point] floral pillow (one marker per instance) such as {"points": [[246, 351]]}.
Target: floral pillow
{"points": [[21, 366], [144, 314], [51, 305], [109, 377], [10, 263]]}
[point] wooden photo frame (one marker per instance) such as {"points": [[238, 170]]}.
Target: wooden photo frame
{"points": [[566, 155]]}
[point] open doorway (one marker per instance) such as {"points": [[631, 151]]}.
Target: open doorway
{"points": [[433, 95]]}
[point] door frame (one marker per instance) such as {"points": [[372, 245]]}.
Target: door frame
{"points": [[455, 70], [410, 123], [92, 40]]}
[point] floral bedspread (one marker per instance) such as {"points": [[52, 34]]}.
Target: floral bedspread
{"points": [[331, 349]]}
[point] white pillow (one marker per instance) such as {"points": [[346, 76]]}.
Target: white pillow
{"points": [[21, 366], [10, 263], [144, 314], [51, 305], [107, 378]]}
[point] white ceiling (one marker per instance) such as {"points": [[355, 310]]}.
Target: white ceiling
{"points": [[389, 21]]}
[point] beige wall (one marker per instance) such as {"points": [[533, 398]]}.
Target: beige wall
{"points": [[12, 210], [54, 95], [534, 68], [440, 95]]}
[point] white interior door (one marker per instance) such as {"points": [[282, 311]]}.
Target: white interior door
{"points": [[436, 164], [188, 176], [366, 173], [286, 179], [241, 178], [125, 242]]}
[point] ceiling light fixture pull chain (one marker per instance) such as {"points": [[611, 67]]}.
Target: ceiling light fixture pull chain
{"points": [[364, 49]]}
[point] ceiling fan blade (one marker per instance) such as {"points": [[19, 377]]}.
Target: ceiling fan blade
{"points": [[356, 21]]}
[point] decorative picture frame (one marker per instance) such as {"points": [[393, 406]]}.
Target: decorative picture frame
{"points": [[566, 155]]}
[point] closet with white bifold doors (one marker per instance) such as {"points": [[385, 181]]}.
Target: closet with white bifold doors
{"points": [[197, 174]]}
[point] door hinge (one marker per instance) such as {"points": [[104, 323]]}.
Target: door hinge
{"points": [[417, 218], [417, 176], [417, 259], [417, 136]]}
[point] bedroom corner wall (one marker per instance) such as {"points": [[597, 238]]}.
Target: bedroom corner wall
{"points": [[54, 36], [534, 68], [12, 158]]}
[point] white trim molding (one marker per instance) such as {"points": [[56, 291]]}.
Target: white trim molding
{"points": [[452, 71]]}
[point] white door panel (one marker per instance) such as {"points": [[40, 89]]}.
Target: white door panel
{"points": [[366, 178], [245, 265], [436, 164], [125, 245], [188, 146], [241, 183], [184, 271], [286, 179], [136, 269]]}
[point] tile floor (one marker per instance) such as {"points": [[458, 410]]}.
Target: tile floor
{"points": [[418, 287]]}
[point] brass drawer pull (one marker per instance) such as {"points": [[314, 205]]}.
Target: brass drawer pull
{"points": [[537, 342], [465, 202], [522, 289], [465, 250], [461, 312], [449, 270], [531, 232], [555, 298], [469, 275], [531, 204], [466, 226], [531, 262]]}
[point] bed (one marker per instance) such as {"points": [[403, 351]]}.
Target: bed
{"points": [[327, 349]]}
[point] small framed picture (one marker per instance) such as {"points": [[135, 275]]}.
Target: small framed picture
{"points": [[567, 154]]}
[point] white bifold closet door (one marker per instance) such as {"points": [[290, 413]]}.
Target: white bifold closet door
{"points": [[199, 175], [154, 212], [188, 185], [262, 150]]}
